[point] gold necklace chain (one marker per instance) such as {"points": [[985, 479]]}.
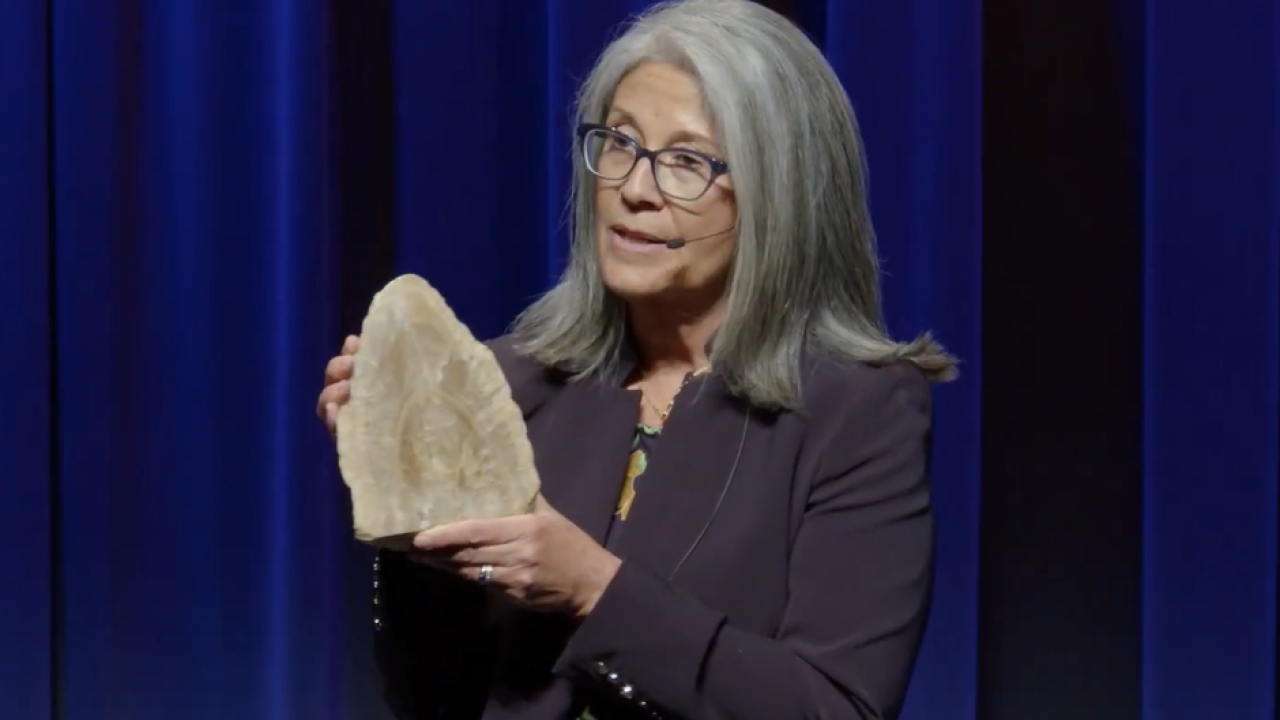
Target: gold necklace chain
{"points": [[663, 414]]}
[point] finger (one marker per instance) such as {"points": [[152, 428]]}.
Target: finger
{"points": [[506, 555], [468, 562], [339, 368], [503, 578], [331, 417], [500, 576], [336, 394], [471, 533], [433, 560], [351, 345], [540, 505]]}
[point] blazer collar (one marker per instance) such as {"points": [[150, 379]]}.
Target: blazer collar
{"points": [[584, 450]]}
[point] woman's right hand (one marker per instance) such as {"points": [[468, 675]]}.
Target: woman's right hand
{"points": [[337, 384]]}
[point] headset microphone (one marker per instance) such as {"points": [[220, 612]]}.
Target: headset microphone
{"points": [[677, 243]]}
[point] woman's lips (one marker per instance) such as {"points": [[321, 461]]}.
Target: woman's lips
{"points": [[635, 241]]}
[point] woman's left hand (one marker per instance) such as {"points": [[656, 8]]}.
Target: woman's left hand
{"points": [[541, 559]]}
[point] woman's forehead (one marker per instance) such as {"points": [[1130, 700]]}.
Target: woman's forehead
{"points": [[664, 103]]}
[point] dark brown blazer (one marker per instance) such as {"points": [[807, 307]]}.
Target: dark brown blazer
{"points": [[776, 565]]}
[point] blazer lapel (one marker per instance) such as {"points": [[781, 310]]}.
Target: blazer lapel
{"points": [[583, 439], [686, 476]]}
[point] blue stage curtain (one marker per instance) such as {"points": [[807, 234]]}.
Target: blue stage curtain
{"points": [[26, 590], [913, 70], [198, 199], [200, 523], [481, 189], [1211, 359]]}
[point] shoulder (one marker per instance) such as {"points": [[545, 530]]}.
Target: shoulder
{"points": [[852, 408], [834, 387], [531, 382], [504, 351]]}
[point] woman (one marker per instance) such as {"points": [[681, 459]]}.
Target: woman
{"points": [[734, 456]]}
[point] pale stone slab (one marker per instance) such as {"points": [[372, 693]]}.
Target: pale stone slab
{"points": [[431, 434]]}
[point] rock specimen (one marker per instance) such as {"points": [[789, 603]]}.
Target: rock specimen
{"points": [[431, 434]]}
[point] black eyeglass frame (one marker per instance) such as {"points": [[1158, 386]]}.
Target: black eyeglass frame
{"points": [[718, 167]]}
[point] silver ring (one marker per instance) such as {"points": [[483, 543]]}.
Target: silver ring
{"points": [[486, 574]]}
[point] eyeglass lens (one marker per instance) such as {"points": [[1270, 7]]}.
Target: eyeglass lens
{"points": [[678, 173]]}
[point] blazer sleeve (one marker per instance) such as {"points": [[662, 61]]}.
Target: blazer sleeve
{"points": [[860, 583], [431, 641]]}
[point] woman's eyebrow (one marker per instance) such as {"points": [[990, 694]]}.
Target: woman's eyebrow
{"points": [[625, 117]]}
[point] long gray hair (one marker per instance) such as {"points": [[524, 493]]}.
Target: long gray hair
{"points": [[805, 273]]}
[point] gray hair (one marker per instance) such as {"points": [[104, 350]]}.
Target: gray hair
{"points": [[805, 275]]}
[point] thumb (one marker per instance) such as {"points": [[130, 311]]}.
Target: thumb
{"points": [[542, 507]]}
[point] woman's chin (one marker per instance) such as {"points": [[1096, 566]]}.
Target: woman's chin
{"points": [[637, 291], [635, 283]]}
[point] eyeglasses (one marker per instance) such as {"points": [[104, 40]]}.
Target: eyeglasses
{"points": [[679, 173]]}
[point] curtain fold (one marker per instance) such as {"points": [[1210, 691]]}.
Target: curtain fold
{"points": [[1212, 359], [26, 572], [482, 188], [200, 517], [913, 71]]}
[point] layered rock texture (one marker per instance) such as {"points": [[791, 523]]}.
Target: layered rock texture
{"points": [[431, 434]]}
